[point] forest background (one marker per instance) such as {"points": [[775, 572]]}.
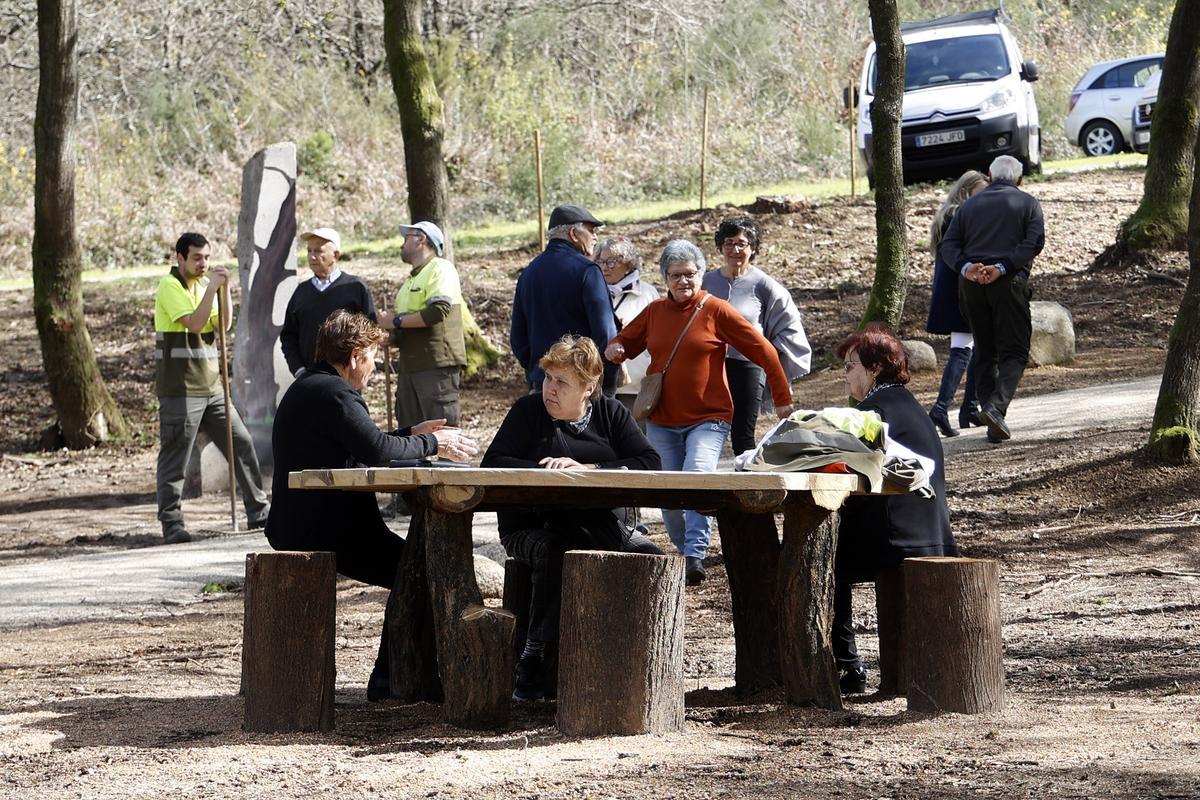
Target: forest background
{"points": [[175, 96]]}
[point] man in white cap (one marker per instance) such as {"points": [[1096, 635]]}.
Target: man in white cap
{"points": [[427, 330], [328, 290]]}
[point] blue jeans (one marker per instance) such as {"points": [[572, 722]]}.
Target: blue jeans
{"points": [[690, 448]]}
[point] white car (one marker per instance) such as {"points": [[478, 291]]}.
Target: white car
{"points": [[1142, 113], [968, 97], [1100, 111]]}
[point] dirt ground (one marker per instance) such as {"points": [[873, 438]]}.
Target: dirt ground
{"points": [[1099, 556]]}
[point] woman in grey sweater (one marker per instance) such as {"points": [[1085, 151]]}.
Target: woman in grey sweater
{"points": [[768, 307]]}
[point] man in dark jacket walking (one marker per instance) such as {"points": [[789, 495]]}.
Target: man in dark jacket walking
{"points": [[992, 242], [561, 292]]}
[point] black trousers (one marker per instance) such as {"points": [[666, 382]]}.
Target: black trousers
{"points": [[543, 549], [1000, 321], [746, 389]]}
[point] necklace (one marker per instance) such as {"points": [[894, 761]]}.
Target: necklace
{"points": [[875, 389]]}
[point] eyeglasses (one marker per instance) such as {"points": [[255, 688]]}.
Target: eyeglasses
{"points": [[734, 244], [608, 263], [682, 277], [850, 364]]}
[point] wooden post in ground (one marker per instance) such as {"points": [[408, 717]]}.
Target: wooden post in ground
{"points": [[287, 641], [412, 645], [853, 121], [518, 590], [704, 149], [955, 647], [890, 611], [387, 386], [222, 310], [621, 644], [537, 148]]}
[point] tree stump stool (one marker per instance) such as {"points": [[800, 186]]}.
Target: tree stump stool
{"points": [[287, 641], [890, 611], [621, 644], [955, 648]]}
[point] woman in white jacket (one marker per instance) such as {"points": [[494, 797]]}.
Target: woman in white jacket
{"points": [[621, 264]]}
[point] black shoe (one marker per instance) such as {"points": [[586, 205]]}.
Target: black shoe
{"points": [[379, 685], [694, 570], [942, 422], [994, 420], [854, 681], [531, 679], [994, 439], [177, 535], [968, 416]]}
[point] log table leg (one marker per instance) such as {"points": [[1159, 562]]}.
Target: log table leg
{"points": [[474, 643], [412, 646], [890, 611], [806, 599], [750, 544]]}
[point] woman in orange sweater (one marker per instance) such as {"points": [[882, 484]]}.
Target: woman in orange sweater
{"points": [[691, 423]]}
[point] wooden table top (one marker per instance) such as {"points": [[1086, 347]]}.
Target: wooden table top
{"points": [[389, 479]]}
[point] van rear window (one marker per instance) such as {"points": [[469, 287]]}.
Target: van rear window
{"points": [[960, 60]]}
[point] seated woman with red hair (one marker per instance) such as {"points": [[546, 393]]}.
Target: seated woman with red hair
{"points": [[877, 533]]}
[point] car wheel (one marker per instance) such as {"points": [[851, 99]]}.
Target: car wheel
{"points": [[1101, 139]]}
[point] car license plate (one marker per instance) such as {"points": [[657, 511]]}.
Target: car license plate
{"points": [[941, 137]]}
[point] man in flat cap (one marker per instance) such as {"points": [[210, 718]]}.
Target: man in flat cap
{"points": [[427, 330], [561, 292], [328, 290]]}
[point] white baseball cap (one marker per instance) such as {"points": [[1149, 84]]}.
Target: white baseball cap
{"points": [[432, 232], [328, 234]]}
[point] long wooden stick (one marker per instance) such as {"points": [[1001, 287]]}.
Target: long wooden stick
{"points": [[224, 353], [387, 383], [537, 148], [853, 138], [704, 148]]}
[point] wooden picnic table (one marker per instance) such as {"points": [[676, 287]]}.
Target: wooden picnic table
{"points": [[447, 645]]}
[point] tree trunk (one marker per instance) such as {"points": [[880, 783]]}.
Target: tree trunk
{"points": [[886, 302], [621, 647], [288, 665], [955, 649], [1175, 432], [421, 119], [750, 543], [518, 592], [86, 412], [1161, 221]]}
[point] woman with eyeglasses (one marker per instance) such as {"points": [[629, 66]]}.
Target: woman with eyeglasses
{"points": [[621, 264], [691, 422], [768, 307], [876, 533]]}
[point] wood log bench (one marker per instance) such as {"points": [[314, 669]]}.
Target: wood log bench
{"points": [[288, 629], [447, 646], [621, 644]]}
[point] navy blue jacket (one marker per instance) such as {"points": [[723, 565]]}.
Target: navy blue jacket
{"points": [[1000, 224], [944, 313], [560, 292]]}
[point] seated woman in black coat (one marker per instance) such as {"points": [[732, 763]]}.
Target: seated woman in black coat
{"points": [[877, 533], [568, 426], [323, 423]]}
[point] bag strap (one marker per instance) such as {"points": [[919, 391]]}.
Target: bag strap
{"points": [[679, 341]]}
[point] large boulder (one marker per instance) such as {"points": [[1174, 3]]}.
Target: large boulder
{"points": [[490, 577], [1053, 340], [921, 357]]}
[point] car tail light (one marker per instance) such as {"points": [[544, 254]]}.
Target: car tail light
{"points": [[1071, 103]]}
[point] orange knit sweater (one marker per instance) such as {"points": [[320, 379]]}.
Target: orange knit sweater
{"points": [[694, 388]]}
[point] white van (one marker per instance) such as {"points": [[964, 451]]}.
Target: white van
{"points": [[968, 97]]}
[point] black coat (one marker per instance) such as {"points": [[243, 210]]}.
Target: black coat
{"points": [[323, 423], [308, 308], [612, 440], [879, 532], [999, 224]]}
